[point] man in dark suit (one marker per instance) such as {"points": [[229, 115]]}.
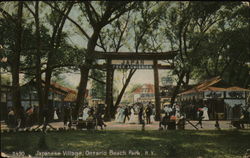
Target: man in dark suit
{"points": [[126, 114], [140, 114], [148, 112]]}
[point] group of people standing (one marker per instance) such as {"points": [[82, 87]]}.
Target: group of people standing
{"points": [[135, 114], [27, 118], [94, 114]]}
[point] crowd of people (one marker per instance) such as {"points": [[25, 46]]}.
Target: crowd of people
{"points": [[94, 114], [27, 118], [135, 113], [138, 113]]}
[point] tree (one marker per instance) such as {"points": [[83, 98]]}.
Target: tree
{"points": [[113, 39], [14, 60], [227, 57], [57, 22], [98, 14], [38, 75], [188, 24], [98, 88]]}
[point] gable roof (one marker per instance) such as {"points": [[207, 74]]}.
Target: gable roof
{"points": [[148, 86], [235, 88], [70, 95], [207, 85]]}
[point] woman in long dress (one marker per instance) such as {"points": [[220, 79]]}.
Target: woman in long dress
{"points": [[117, 115], [205, 113], [121, 115], [85, 113], [132, 119], [55, 117], [152, 116]]}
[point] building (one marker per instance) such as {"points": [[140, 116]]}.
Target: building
{"points": [[166, 93], [220, 98], [58, 96], [144, 94]]}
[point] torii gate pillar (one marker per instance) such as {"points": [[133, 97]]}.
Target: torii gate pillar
{"points": [[109, 93], [157, 93]]}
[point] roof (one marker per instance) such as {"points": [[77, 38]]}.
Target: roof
{"points": [[211, 88], [148, 86], [71, 97], [204, 86], [208, 83], [70, 94], [207, 86], [237, 89], [65, 89]]}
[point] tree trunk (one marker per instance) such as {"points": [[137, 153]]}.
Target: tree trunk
{"points": [[81, 89], [119, 98], [47, 86], [55, 43], [38, 62], [16, 96], [84, 69], [176, 90]]}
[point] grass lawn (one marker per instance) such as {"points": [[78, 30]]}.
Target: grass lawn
{"points": [[227, 143]]}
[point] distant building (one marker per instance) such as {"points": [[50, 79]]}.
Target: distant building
{"points": [[220, 98], [144, 93], [58, 95], [166, 92]]}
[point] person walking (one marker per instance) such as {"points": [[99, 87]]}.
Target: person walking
{"points": [[200, 117]]}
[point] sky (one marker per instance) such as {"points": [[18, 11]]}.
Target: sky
{"points": [[141, 76]]}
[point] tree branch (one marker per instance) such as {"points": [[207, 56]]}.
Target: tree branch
{"points": [[91, 19], [92, 77], [31, 11], [70, 19], [8, 15], [96, 14]]}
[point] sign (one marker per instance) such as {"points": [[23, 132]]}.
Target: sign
{"points": [[235, 94], [211, 94], [132, 64]]}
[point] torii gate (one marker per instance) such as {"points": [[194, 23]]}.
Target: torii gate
{"points": [[132, 60]]}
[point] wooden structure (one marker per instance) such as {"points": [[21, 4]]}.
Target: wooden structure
{"points": [[132, 56], [226, 100]]}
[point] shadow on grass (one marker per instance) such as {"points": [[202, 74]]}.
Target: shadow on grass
{"points": [[164, 143]]}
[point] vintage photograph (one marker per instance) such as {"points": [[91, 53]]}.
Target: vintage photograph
{"points": [[125, 79]]}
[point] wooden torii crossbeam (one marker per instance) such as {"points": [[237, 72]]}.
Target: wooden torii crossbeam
{"points": [[134, 55]]}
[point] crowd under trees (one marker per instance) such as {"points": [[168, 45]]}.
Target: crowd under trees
{"points": [[212, 39]]}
